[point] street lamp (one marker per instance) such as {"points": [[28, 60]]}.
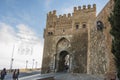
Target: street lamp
{"points": [[36, 65], [26, 63], [11, 64], [12, 59], [33, 63]]}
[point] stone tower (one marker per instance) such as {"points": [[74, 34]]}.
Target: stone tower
{"points": [[79, 42], [66, 40]]}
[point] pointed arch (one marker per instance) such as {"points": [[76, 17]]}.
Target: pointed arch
{"points": [[62, 44]]}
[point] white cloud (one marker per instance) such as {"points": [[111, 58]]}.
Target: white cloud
{"points": [[8, 39], [7, 33], [24, 29], [26, 34]]}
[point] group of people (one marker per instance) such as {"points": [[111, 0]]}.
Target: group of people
{"points": [[14, 75]]}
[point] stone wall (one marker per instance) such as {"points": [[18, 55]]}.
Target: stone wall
{"points": [[48, 54], [101, 60], [79, 47]]}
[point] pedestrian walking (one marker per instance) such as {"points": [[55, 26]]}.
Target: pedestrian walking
{"points": [[3, 73], [15, 74]]}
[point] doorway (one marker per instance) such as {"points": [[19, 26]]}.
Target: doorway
{"points": [[63, 63]]}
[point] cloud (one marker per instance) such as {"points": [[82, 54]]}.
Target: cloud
{"points": [[26, 34], [7, 33], [9, 44], [24, 29]]}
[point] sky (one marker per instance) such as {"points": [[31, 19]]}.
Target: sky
{"points": [[22, 24]]}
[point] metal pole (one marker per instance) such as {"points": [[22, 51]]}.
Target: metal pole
{"points": [[36, 64], [33, 64], [26, 63], [12, 59]]}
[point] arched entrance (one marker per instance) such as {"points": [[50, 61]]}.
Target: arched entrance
{"points": [[62, 60], [63, 63]]}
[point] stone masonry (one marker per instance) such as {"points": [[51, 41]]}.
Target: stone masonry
{"points": [[100, 44], [72, 42]]}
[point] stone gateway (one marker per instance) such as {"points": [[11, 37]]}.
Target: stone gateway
{"points": [[77, 42]]}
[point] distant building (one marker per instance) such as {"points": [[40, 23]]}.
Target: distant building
{"points": [[80, 40]]}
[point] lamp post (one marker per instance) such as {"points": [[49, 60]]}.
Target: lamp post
{"points": [[26, 63], [11, 64], [12, 59], [33, 63], [36, 65]]}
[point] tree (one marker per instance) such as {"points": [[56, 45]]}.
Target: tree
{"points": [[114, 20]]}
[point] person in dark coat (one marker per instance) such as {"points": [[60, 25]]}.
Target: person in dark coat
{"points": [[3, 73], [17, 73], [14, 74]]}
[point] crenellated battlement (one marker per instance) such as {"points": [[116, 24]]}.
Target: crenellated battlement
{"points": [[65, 15], [84, 7], [82, 13], [52, 13], [76, 9]]}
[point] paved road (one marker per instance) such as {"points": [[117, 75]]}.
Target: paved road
{"points": [[38, 76], [64, 76], [58, 76], [22, 74]]}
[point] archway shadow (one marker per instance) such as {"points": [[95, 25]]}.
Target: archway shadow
{"points": [[63, 63]]}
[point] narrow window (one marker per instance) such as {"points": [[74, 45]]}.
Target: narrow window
{"points": [[84, 25], [50, 26], [77, 26], [63, 30], [50, 33]]}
